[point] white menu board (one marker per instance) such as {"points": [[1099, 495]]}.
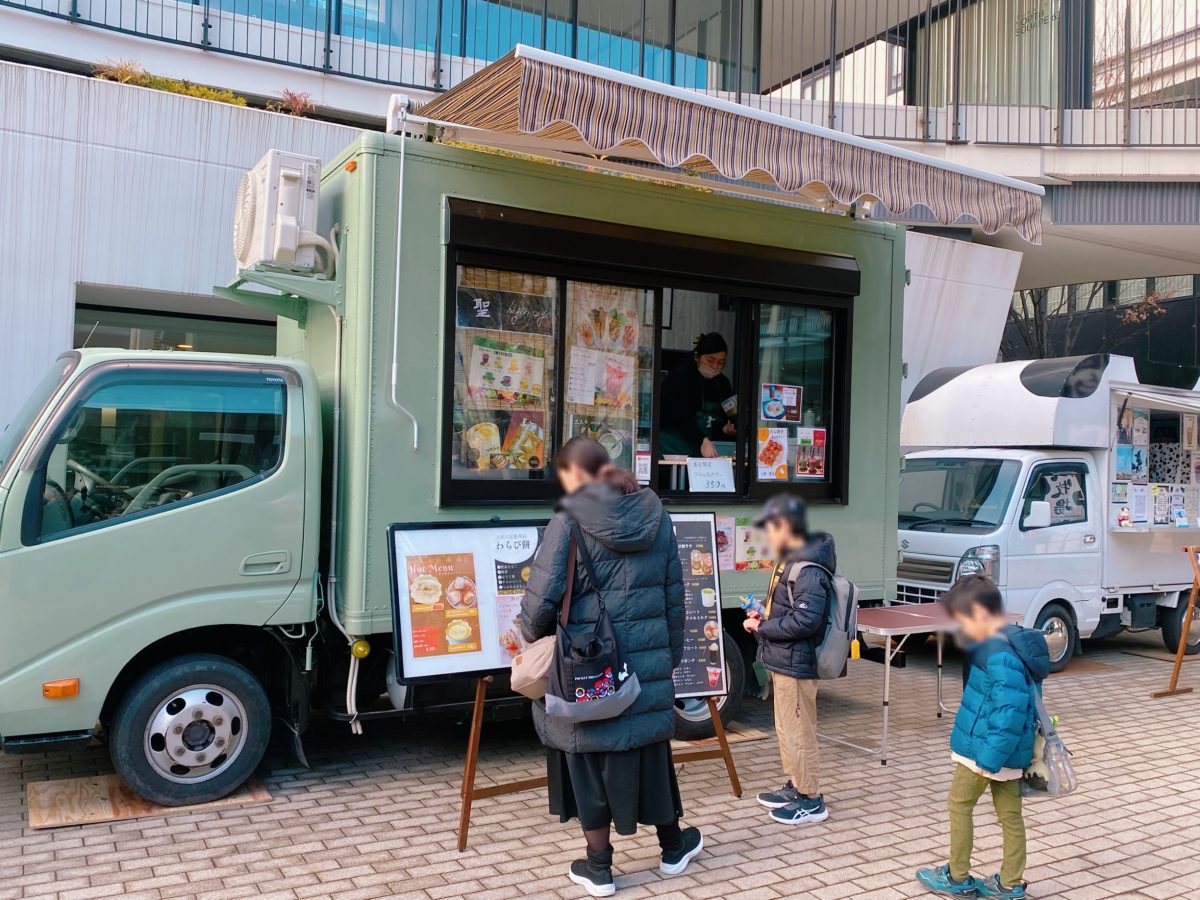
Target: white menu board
{"points": [[456, 595]]}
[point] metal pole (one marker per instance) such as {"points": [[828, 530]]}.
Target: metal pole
{"points": [[545, 23], [956, 74], [575, 29], [328, 64], [205, 25], [437, 46], [833, 11], [642, 43], [671, 42], [741, 12], [928, 62], [1128, 72]]}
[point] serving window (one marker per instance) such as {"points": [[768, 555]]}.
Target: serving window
{"points": [[546, 345]]}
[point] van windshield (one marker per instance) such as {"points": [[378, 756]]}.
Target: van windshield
{"points": [[12, 436], [955, 494]]}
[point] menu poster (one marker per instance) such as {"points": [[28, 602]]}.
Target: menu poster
{"points": [[614, 381], [1178, 509], [701, 672], [1194, 467], [1125, 424], [726, 526], [457, 612], [1139, 503], [524, 444], [772, 454], [1188, 432], [1161, 496], [1123, 462], [810, 453], [781, 402], [502, 370], [528, 313], [750, 549], [1191, 502], [1141, 428], [1141, 464], [614, 435], [443, 604], [582, 374], [603, 317]]}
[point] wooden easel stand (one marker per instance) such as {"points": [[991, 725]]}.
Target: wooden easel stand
{"points": [[470, 793], [1181, 650]]}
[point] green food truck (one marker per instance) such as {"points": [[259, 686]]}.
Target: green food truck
{"points": [[194, 547]]}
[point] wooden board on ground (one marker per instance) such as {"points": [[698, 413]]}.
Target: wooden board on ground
{"points": [[106, 798], [735, 733], [1081, 665]]}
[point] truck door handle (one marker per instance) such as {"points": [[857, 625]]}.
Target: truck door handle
{"points": [[274, 563], [1089, 539]]}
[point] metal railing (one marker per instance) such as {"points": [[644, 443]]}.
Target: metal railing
{"points": [[1059, 72]]}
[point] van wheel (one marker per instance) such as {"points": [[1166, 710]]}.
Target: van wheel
{"points": [[1056, 623], [191, 730], [692, 719], [1173, 628]]}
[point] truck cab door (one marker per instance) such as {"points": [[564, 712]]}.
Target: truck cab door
{"points": [[1058, 565], [161, 497]]}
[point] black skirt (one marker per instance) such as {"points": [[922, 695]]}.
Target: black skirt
{"points": [[622, 789]]}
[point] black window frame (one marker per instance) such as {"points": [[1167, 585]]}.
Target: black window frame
{"points": [[104, 377], [1072, 466], [575, 249]]}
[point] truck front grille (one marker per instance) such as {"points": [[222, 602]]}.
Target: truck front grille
{"points": [[936, 571], [911, 593]]}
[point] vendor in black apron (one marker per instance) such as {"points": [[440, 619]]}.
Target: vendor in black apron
{"points": [[692, 415]]}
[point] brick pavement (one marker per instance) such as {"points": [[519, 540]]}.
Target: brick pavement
{"points": [[374, 817]]}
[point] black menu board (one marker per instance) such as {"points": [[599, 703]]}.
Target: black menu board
{"points": [[701, 673]]}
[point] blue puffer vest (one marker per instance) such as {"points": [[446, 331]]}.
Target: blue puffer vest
{"points": [[995, 725]]}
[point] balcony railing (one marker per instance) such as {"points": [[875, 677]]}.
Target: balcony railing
{"points": [[1049, 72]]}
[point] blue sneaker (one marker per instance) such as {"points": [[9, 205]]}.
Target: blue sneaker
{"points": [[991, 887], [939, 881], [780, 798], [805, 811]]}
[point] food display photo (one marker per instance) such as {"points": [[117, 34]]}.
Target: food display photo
{"points": [[443, 603]]}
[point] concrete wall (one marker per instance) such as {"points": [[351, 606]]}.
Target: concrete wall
{"points": [[106, 184]]}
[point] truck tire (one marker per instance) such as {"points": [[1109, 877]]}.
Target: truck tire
{"points": [[1172, 628], [1058, 625], [190, 730], [692, 720]]}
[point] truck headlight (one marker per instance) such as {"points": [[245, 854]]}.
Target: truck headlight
{"points": [[980, 561]]}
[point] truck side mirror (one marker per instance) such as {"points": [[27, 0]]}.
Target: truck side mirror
{"points": [[1038, 515]]}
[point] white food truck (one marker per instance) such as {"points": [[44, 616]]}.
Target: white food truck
{"points": [[1068, 481]]}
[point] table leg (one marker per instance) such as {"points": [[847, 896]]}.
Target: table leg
{"points": [[939, 675], [887, 691]]}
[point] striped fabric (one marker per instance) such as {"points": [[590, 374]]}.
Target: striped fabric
{"points": [[536, 96]]}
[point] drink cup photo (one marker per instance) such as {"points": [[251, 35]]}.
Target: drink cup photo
{"points": [[714, 676], [708, 596]]}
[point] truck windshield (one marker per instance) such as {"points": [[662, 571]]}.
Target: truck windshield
{"points": [[955, 494], [12, 436]]}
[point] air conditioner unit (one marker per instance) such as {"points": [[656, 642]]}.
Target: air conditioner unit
{"points": [[275, 222]]}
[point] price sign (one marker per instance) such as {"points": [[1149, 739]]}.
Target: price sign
{"points": [[710, 476]]}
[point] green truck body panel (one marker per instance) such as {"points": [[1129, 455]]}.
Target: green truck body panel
{"points": [[89, 606]]}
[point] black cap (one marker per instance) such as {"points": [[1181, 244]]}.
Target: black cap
{"points": [[787, 507]]}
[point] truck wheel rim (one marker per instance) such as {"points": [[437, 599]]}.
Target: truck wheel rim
{"points": [[1193, 628], [196, 733], [695, 709], [1057, 637]]}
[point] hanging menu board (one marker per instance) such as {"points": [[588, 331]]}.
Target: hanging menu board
{"points": [[701, 673], [457, 590]]}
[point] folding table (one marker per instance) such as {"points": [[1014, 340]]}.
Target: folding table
{"points": [[895, 624]]}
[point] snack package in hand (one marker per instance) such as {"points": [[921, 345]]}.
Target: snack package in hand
{"points": [[753, 606]]}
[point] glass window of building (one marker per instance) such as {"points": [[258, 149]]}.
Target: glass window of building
{"points": [[130, 329]]}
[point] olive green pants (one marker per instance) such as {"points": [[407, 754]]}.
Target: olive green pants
{"points": [[965, 791]]}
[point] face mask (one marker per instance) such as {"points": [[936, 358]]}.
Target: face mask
{"points": [[708, 371]]}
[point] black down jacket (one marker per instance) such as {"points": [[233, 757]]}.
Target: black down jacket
{"points": [[632, 543], [796, 626]]}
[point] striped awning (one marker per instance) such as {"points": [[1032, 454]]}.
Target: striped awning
{"points": [[596, 110]]}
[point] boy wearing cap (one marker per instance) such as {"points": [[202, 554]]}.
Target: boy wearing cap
{"points": [[790, 631]]}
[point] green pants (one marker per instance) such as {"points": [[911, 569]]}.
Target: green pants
{"points": [[965, 791]]}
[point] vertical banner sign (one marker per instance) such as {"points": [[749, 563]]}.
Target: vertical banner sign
{"points": [[701, 673]]}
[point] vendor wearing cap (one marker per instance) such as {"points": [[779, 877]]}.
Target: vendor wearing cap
{"points": [[692, 397]]}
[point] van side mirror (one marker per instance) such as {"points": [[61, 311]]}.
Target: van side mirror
{"points": [[1038, 515]]}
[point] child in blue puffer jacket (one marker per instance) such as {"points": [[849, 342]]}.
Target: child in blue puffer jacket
{"points": [[993, 737]]}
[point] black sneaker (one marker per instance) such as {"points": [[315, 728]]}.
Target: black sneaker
{"points": [[676, 862], [805, 811], [593, 877], [780, 798]]}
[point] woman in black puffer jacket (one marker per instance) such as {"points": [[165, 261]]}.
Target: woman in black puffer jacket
{"points": [[614, 771]]}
